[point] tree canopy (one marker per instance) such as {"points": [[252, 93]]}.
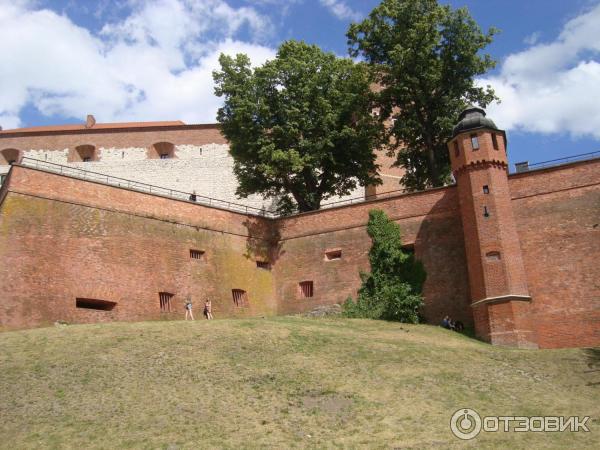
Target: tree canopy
{"points": [[300, 127], [425, 57]]}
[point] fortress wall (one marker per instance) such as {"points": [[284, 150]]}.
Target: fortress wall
{"points": [[55, 227], [61, 239], [201, 161], [114, 138], [207, 170], [429, 220], [57, 187], [557, 212]]}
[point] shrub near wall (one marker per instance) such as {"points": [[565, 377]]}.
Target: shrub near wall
{"points": [[392, 291]]}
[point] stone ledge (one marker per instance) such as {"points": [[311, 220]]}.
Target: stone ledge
{"points": [[502, 299]]}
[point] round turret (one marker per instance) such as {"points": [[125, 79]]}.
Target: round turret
{"points": [[473, 118]]}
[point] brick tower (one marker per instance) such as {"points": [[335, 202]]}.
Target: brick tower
{"points": [[499, 294]]}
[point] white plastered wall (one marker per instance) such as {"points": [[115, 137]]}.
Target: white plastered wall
{"points": [[206, 169]]}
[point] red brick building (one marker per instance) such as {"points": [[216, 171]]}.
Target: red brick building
{"points": [[515, 256]]}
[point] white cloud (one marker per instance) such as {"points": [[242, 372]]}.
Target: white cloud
{"points": [[553, 87], [283, 6], [341, 10], [156, 64], [533, 38]]}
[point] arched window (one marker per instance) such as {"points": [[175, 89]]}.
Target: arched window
{"points": [[9, 156], [83, 153], [161, 150]]}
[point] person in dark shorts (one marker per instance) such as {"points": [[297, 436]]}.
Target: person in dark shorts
{"points": [[208, 309]]}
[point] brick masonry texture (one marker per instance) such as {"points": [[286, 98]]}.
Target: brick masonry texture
{"points": [[429, 220], [201, 162], [497, 279], [557, 213], [63, 238]]}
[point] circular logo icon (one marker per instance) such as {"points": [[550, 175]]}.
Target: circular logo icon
{"points": [[465, 424]]}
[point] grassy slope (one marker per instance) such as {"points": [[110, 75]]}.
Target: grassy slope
{"points": [[284, 382]]}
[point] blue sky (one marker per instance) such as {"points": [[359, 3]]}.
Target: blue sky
{"points": [[133, 60]]}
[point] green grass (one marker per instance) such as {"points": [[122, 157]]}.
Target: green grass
{"points": [[280, 383]]}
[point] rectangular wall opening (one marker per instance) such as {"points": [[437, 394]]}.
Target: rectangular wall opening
{"points": [[240, 298], [306, 289], [494, 141], [493, 256], [333, 254], [474, 142], [196, 254], [165, 301], [263, 265], [486, 189], [92, 303], [409, 248]]}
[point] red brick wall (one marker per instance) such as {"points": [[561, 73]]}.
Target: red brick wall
{"points": [[62, 238], [429, 220], [133, 245], [143, 137], [390, 176], [557, 212]]}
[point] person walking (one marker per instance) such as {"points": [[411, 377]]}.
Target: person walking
{"points": [[208, 309], [188, 309]]}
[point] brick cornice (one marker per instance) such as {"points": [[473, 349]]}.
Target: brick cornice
{"points": [[481, 164], [115, 130]]}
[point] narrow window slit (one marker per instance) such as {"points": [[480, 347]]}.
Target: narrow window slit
{"points": [[240, 298], [196, 254], [409, 249], [165, 301], [92, 303], [333, 255], [493, 256], [306, 289]]}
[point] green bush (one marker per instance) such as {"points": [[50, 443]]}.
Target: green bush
{"points": [[392, 291]]}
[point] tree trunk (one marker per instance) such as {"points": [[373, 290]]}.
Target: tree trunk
{"points": [[305, 205], [433, 169]]}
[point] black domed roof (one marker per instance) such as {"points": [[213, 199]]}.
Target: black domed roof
{"points": [[471, 119]]}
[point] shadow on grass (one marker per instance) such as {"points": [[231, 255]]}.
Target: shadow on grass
{"points": [[593, 362]]}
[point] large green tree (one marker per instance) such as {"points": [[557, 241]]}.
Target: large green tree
{"points": [[425, 57], [300, 126]]}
